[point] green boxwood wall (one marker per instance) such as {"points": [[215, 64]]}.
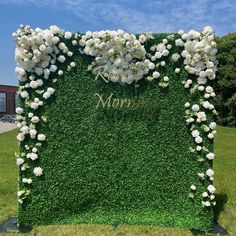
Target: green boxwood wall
{"points": [[112, 166]]}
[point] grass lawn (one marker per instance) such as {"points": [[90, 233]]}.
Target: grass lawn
{"points": [[225, 182]]}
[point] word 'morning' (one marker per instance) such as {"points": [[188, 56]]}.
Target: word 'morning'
{"points": [[112, 102]]}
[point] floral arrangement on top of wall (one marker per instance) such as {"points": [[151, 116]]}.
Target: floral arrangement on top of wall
{"points": [[118, 57]]}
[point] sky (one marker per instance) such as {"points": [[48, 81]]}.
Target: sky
{"points": [[134, 16]]}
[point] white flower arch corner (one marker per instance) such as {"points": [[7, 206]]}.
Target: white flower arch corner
{"points": [[118, 57]]}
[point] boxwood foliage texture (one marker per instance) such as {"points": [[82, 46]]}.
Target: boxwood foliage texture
{"points": [[116, 165]]}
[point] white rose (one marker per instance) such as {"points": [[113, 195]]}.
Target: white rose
{"points": [[195, 133], [30, 114], [33, 133], [179, 42], [41, 137], [175, 57], [210, 156], [142, 38], [201, 80], [46, 95], [19, 161], [165, 52], [187, 104], [61, 58], [33, 156], [20, 137], [206, 128], [33, 84], [34, 105], [156, 74], [212, 197], [151, 66], [211, 188], [74, 42], [53, 68], [213, 132], [210, 172], [166, 78], [20, 193], [29, 181], [206, 104], [181, 32], [200, 88], [24, 129], [38, 171], [209, 89], [35, 119], [158, 55], [195, 108], [20, 71], [198, 139], [212, 125], [24, 94], [34, 149], [198, 148], [68, 35], [163, 63], [205, 194], [177, 70], [72, 64], [40, 82], [42, 47], [165, 41], [210, 135], [55, 40], [51, 90], [193, 187], [60, 72], [201, 115], [19, 110]]}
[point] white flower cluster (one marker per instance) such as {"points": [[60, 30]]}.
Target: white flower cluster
{"points": [[37, 53], [195, 118], [119, 56], [200, 60], [199, 53], [159, 52]]}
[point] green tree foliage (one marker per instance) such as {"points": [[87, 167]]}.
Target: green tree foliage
{"points": [[226, 81]]}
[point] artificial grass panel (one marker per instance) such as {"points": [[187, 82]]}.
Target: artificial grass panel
{"points": [[111, 165]]}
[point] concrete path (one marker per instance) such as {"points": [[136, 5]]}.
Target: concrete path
{"points": [[4, 127]]}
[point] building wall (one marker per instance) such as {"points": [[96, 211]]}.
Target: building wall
{"points": [[10, 92]]}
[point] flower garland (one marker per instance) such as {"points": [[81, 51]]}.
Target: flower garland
{"points": [[200, 60], [37, 53], [118, 57]]}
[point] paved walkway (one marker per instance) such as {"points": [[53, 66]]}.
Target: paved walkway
{"points": [[4, 127]]}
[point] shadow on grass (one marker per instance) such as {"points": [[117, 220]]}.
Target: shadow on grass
{"points": [[221, 200]]}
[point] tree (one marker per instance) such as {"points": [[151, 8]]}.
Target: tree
{"points": [[226, 80]]}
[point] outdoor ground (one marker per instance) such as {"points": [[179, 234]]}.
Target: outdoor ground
{"points": [[225, 181]]}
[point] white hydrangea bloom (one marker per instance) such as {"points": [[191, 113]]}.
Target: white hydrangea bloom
{"points": [[19, 161], [193, 187], [38, 171], [210, 172], [211, 189], [195, 133], [210, 156], [41, 137]]}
